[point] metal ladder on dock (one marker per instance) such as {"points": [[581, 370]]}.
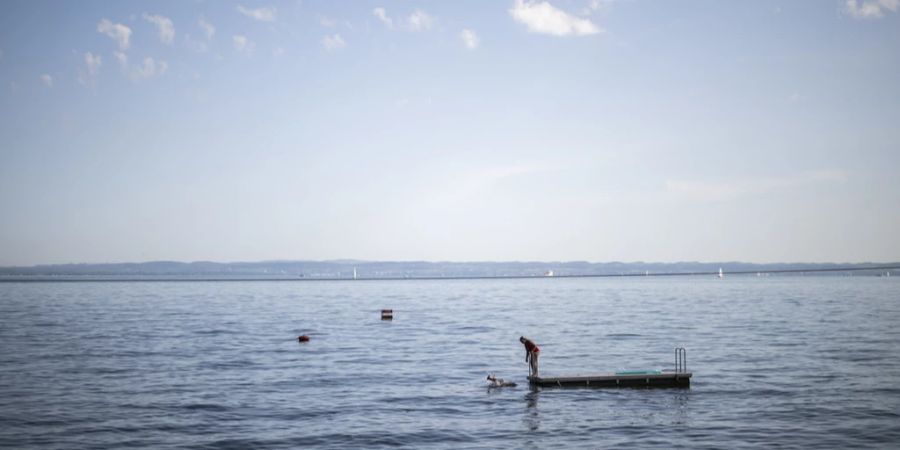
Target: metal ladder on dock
{"points": [[680, 360]]}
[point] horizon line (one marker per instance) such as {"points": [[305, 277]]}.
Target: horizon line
{"points": [[107, 278], [424, 261]]}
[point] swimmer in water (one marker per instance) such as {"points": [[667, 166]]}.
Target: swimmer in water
{"points": [[499, 382]]}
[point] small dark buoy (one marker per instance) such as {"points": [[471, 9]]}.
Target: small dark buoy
{"points": [[387, 314], [303, 338]]}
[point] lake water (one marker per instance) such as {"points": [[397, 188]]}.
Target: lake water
{"points": [[811, 362]]}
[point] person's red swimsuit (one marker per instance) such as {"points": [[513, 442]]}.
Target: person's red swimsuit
{"points": [[531, 347]]}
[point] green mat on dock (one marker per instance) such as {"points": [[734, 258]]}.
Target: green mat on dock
{"points": [[639, 372]]}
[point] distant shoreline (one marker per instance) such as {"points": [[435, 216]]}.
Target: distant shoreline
{"points": [[874, 271]]}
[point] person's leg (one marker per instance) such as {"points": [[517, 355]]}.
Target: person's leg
{"points": [[534, 362]]}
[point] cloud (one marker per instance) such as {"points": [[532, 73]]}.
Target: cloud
{"points": [[469, 38], [381, 14], [242, 44], [122, 58], [542, 17], [326, 22], [47, 80], [117, 32], [419, 21], [164, 26], [333, 42], [208, 29], [265, 14], [150, 68], [870, 9], [278, 51], [92, 65], [719, 191], [596, 5]]}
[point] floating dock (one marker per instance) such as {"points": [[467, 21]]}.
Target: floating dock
{"points": [[677, 378], [652, 379]]}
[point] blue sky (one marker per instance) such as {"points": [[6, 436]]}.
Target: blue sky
{"points": [[458, 130]]}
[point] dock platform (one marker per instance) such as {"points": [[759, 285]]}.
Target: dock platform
{"points": [[650, 379]]}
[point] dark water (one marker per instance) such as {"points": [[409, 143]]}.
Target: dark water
{"points": [[778, 362]]}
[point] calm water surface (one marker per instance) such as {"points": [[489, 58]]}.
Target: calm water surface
{"points": [[806, 362]]}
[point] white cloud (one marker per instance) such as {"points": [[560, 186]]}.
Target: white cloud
{"points": [[381, 14], [164, 26], [47, 80], [278, 51], [265, 14], [542, 17], [419, 21], [92, 65], [117, 32], [326, 22], [469, 38], [333, 42], [596, 5], [122, 58], [242, 44], [208, 29], [871, 9], [719, 191], [147, 69], [150, 68]]}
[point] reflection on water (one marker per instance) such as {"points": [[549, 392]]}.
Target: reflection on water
{"points": [[680, 403], [531, 416]]}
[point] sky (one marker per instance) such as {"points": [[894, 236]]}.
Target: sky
{"points": [[464, 130]]}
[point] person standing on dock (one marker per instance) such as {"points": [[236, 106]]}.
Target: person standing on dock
{"points": [[531, 355]]}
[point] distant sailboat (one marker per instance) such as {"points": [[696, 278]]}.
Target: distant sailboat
{"points": [[721, 275]]}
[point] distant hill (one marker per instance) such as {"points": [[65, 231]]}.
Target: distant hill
{"points": [[344, 269]]}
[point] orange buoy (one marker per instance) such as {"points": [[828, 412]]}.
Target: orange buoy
{"points": [[303, 338]]}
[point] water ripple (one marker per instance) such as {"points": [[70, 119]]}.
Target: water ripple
{"points": [[804, 362]]}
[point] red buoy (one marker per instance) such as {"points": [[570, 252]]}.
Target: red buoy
{"points": [[303, 338]]}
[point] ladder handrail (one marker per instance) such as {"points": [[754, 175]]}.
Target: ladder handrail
{"points": [[680, 360]]}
